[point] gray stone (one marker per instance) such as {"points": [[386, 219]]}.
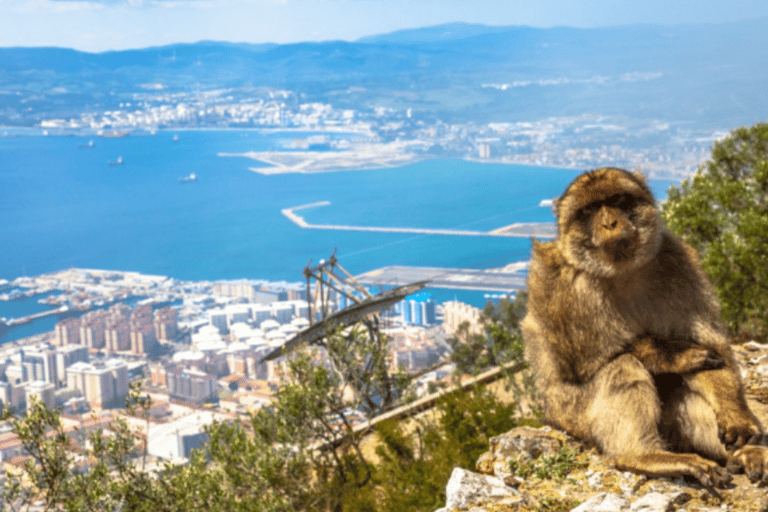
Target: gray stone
{"points": [[603, 502], [653, 502], [465, 488]]}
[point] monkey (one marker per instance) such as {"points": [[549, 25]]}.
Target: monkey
{"points": [[623, 333]]}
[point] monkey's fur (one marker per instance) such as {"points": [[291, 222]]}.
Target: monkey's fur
{"points": [[624, 333]]}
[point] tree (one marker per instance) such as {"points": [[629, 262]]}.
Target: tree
{"points": [[722, 212], [301, 453], [502, 341]]}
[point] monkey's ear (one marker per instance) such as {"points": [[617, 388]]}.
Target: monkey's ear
{"points": [[556, 205], [640, 175]]}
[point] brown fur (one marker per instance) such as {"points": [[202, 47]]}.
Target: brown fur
{"points": [[623, 330]]}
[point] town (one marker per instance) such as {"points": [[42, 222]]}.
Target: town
{"points": [[195, 347], [385, 136]]}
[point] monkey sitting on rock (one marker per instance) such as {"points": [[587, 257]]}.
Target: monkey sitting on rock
{"points": [[624, 333]]}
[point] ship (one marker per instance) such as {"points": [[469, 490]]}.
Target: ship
{"points": [[187, 179]]}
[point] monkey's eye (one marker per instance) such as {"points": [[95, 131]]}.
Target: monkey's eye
{"points": [[585, 213], [621, 201]]}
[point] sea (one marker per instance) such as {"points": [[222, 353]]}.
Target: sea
{"points": [[64, 203]]}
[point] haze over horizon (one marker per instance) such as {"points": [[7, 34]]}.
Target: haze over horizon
{"points": [[104, 25]]}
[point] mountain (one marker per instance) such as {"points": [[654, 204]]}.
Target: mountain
{"points": [[711, 74]]}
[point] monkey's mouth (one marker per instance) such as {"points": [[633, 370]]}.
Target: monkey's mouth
{"points": [[620, 251]]}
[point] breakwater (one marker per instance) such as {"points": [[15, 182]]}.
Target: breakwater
{"points": [[519, 229]]}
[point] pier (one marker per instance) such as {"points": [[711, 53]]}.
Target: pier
{"points": [[520, 229], [12, 322]]}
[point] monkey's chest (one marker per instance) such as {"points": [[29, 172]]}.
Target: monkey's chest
{"points": [[647, 312]]}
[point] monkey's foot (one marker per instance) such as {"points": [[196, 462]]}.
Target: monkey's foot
{"points": [[667, 464], [737, 429], [753, 460]]}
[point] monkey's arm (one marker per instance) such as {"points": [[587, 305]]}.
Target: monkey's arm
{"points": [[675, 356], [724, 391]]}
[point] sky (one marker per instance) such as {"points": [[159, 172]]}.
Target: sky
{"points": [[102, 25]]}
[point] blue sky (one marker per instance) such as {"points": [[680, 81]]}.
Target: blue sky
{"points": [[100, 25]]}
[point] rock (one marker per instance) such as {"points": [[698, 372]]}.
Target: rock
{"points": [[466, 488], [603, 502], [754, 346], [595, 480], [519, 445], [631, 482], [658, 502], [762, 370]]}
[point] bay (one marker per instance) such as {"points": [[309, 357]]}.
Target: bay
{"points": [[63, 205]]}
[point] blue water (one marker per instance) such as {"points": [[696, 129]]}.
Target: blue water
{"points": [[64, 206]]}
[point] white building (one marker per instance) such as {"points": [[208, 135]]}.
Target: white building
{"points": [[175, 440]]}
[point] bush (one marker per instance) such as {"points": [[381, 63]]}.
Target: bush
{"points": [[722, 212]]}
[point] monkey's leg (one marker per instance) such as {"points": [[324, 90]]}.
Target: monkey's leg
{"points": [[624, 415], [689, 424], [722, 390]]}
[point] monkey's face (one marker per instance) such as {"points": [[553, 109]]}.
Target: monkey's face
{"points": [[608, 222]]}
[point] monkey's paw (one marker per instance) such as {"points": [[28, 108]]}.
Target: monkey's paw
{"points": [[753, 460], [737, 429]]}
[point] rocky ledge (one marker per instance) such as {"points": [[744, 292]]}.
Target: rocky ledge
{"points": [[542, 469]]}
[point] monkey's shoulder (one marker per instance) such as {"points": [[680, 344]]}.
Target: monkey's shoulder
{"points": [[549, 267]]}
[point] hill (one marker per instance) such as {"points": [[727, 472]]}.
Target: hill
{"points": [[712, 75]]}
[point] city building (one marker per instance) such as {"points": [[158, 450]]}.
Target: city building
{"points": [[218, 319], [67, 331], [191, 385], [175, 440], [103, 385], [282, 312], [117, 335], [13, 394], [66, 356], [237, 313], [260, 313], [43, 391], [143, 340], [455, 313], [166, 323], [40, 363], [92, 327]]}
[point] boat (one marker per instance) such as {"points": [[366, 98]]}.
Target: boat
{"points": [[90, 144], [186, 179], [175, 137], [119, 161]]}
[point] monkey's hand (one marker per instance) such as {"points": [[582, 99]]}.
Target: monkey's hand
{"points": [[675, 356], [737, 429], [752, 460]]}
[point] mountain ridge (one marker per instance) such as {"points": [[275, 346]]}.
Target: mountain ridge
{"points": [[711, 73]]}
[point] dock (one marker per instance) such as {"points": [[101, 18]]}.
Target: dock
{"points": [[12, 322]]}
